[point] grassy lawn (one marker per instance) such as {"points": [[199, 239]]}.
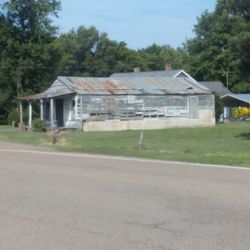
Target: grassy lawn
{"points": [[14, 135], [227, 144]]}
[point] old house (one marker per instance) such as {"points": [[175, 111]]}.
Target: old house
{"points": [[133, 103]]}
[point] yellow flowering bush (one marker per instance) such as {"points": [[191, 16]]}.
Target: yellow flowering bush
{"points": [[241, 112]]}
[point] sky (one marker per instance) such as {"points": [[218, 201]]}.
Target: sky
{"points": [[139, 23]]}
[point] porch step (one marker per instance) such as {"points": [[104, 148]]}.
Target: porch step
{"points": [[73, 125]]}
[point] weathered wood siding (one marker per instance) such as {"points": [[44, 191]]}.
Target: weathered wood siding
{"points": [[87, 108], [139, 107]]}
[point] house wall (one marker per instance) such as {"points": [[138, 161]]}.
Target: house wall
{"points": [[72, 118], [206, 120], [132, 107], [123, 112]]}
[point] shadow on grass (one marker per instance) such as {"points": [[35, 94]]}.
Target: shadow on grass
{"points": [[244, 136]]}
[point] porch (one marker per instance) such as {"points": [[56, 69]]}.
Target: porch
{"points": [[58, 111]]}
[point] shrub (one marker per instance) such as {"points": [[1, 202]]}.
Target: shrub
{"points": [[218, 108], [241, 112], [13, 116], [39, 125]]}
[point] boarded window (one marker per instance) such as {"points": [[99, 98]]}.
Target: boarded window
{"points": [[130, 107], [193, 107], [206, 102]]}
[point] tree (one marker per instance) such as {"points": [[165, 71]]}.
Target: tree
{"points": [[27, 55], [156, 57], [88, 52], [220, 50]]}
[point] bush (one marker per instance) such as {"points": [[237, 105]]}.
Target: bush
{"points": [[218, 108], [241, 113], [39, 125], [13, 116]]}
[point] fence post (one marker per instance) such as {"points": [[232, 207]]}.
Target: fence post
{"points": [[141, 141]]}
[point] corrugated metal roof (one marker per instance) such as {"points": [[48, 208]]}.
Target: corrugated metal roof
{"points": [[236, 97], [177, 73], [217, 87], [56, 89], [170, 73], [136, 86], [120, 86], [29, 97]]}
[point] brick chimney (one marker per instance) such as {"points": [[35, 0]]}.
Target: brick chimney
{"points": [[168, 67], [137, 69]]}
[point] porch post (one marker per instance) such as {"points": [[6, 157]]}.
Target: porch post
{"points": [[76, 106], [41, 110], [30, 114], [21, 111], [52, 112], [81, 102], [227, 113]]}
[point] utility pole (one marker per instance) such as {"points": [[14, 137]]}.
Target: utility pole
{"points": [[227, 76], [226, 73]]}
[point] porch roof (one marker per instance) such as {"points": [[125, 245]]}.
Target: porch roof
{"points": [[29, 97], [47, 94], [236, 100]]}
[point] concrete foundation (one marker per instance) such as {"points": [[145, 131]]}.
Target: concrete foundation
{"points": [[206, 119]]}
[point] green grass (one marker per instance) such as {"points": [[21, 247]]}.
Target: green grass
{"points": [[10, 134], [227, 144]]}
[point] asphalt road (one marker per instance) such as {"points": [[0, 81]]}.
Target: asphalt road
{"points": [[50, 200]]}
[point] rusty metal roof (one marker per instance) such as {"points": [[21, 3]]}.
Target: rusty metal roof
{"points": [[132, 86], [120, 86], [29, 97]]}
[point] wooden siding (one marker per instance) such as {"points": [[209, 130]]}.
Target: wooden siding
{"points": [[131, 107]]}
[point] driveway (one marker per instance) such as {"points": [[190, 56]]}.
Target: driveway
{"points": [[51, 200]]}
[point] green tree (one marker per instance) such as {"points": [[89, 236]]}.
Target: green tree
{"points": [[220, 50], [28, 58], [156, 57], [88, 52]]}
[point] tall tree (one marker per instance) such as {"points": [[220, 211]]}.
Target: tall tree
{"points": [[156, 57], [220, 50], [27, 54], [88, 52]]}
